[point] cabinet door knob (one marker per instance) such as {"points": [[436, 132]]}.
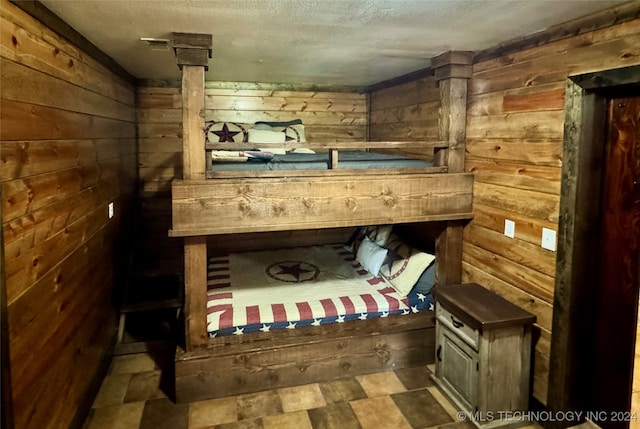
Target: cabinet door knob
{"points": [[456, 323]]}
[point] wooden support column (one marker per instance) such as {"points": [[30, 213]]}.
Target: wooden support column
{"points": [[192, 55], [452, 72]]}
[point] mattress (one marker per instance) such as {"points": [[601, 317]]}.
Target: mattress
{"points": [[295, 288], [320, 161]]}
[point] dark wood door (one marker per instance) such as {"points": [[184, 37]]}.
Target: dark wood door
{"points": [[619, 281]]}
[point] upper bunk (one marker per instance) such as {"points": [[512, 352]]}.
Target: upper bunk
{"points": [[340, 193]]}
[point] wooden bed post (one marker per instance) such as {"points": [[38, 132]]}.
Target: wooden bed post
{"points": [[452, 72], [192, 55]]}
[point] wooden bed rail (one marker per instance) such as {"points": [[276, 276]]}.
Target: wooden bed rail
{"points": [[346, 145]]}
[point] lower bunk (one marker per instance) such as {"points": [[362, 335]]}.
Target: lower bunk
{"points": [[309, 314]]}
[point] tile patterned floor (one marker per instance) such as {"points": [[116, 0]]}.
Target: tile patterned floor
{"points": [[132, 397]]}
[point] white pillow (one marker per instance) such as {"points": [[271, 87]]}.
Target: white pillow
{"points": [[266, 136], [371, 256]]}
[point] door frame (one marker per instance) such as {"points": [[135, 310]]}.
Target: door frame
{"points": [[582, 169]]}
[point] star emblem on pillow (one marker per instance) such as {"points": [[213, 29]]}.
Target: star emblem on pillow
{"points": [[225, 134]]}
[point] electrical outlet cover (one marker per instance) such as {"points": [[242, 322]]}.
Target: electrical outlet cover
{"points": [[509, 228], [111, 210], [548, 239]]}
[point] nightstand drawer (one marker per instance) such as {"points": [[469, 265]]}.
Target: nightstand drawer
{"points": [[467, 333]]}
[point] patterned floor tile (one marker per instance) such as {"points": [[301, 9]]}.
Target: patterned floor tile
{"points": [[123, 416], [444, 402], [258, 405], [336, 416], [206, 414], [415, 378], [113, 390], [242, 424], [132, 397], [342, 390], [144, 386], [301, 398], [130, 364], [421, 409], [381, 383], [164, 414], [297, 420], [379, 413]]}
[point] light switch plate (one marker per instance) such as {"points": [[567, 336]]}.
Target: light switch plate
{"points": [[111, 210], [548, 239], [509, 228]]}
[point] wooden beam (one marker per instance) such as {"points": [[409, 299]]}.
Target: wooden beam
{"points": [[452, 71], [193, 150], [195, 295]]}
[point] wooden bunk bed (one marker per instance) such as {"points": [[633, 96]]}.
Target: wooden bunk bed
{"points": [[214, 204]]}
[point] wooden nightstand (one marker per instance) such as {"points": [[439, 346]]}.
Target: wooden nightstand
{"points": [[483, 354]]}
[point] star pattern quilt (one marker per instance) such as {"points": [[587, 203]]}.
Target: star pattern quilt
{"points": [[299, 287]]}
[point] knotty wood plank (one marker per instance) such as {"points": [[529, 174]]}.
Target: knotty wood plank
{"points": [[334, 132], [415, 112], [528, 280], [528, 203], [411, 93], [536, 152], [529, 255], [522, 176], [24, 40], [22, 196], [30, 266], [540, 97], [20, 83], [291, 103], [555, 67], [525, 125], [152, 145], [159, 116], [171, 130], [565, 34], [274, 90], [308, 118], [26, 232], [528, 228], [25, 121], [298, 203], [405, 130]]}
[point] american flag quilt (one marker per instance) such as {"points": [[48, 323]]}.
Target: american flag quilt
{"points": [[293, 288]]}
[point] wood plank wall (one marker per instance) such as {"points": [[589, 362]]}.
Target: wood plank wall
{"points": [[327, 116], [515, 123], [68, 148], [404, 112]]}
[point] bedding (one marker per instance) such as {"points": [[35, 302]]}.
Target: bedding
{"points": [[320, 161], [299, 287]]}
